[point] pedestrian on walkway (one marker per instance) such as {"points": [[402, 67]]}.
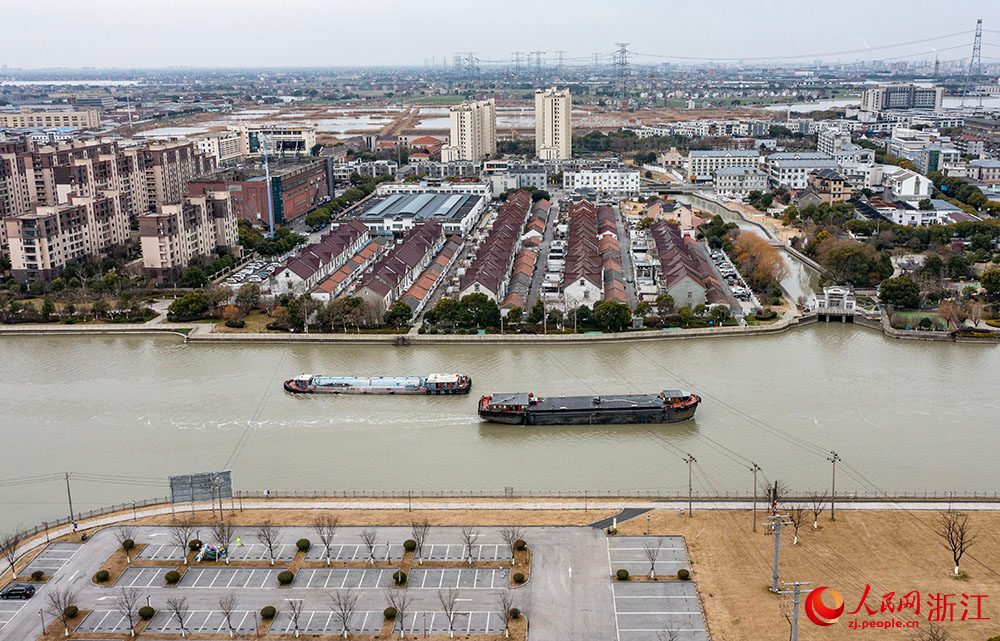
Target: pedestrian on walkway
{"points": [[239, 543]]}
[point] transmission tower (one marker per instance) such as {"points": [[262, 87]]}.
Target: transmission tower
{"points": [[596, 65], [471, 63], [538, 65], [975, 62], [561, 55], [517, 62], [621, 63]]}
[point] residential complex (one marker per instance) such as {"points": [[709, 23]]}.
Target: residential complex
{"points": [[553, 124], [51, 118], [473, 131], [225, 146], [489, 272], [901, 96], [684, 270], [393, 274], [601, 180], [791, 169], [702, 164], [739, 181], [320, 259]]}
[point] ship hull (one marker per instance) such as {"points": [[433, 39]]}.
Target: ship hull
{"points": [[295, 389], [592, 417]]}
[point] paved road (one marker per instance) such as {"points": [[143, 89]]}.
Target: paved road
{"points": [[625, 245], [543, 256]]}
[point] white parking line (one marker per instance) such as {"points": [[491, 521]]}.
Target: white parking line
{"points": [[247, 582], [365, 622], [245, 615], [233, 578], [264, 580]]}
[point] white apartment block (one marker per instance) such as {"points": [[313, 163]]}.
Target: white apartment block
{"points": [[608, 181], [225, 146], [703, 164], [473, 131], [739, 181], [904, 184], [553, 124], [902, 96], [832, 140], [791, 170]]}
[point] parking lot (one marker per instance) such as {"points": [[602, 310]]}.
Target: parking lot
{"points": [[647, 610], [256, 272], [258, 552], [326, 622], [52, 558], [223, 577], [202, 622], [104, 621], [359, 578], [465, 623], [472, 578], [8, 609], [161, 552], [629, 553], [142, 578], [484, 552], [355, 553]]}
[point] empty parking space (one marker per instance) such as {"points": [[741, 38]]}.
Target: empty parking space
{"points": [[650, 610], [464, 623], [472, 578], [202, 622], [327, 622], [161, 552], [484, 552], [355, 553], [53, 557], [629, 553], [231, 578], [104, 621], [142, 578], [336, 578], [259, 552], [7, 611]]}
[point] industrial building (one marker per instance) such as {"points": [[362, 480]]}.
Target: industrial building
{"points": [[398, 213]]}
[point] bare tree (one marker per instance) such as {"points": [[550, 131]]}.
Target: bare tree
{"points": [[511, 535], [796, 514], [652, 550], [818, 502], [179, 608], [419, 531], [953, 528], [269, 536], [58, 601], [929, 632], [400, 600], [227, 605], [368, 537], [223, 535], [345, 603], [181, 532], [8, 547], [125, 536], [505, 603], [326, 528], [449, 601], [668, 635], [295, 612], [469, 537], [128, 604]]}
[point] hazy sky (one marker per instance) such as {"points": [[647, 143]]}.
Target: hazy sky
{"points": [[160, 33]]}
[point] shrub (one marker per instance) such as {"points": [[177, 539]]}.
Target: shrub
{"points": [[285, 577], [146, 613], [518, 577], [409, 545], [683, 574], [37, 575], [622, 574], [172, 577], [302, 544], [128, 544], [389, 613], [102, 576], [399, 577], [194, 544], [515, 613], [520, 544], [268, 612], [70, 611], [237, 324]]}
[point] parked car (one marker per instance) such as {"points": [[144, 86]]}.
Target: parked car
{"points": [[18, 591]]}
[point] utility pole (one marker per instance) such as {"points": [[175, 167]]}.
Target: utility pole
{"points": [[754, 468], [517, 62], [833, 458], [538, 65], [775, 522], [690, 459], [795, 604], [69, 496], [561, 55], [621, 62]]}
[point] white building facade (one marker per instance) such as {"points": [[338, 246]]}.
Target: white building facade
{"points": [[553, 124], [473, 131]]}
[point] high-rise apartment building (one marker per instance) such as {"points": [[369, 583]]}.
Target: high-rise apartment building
{"points": [[473, 131], [888, 97], [553, 125]]}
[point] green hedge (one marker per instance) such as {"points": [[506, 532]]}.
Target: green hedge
{"points": [[102, 576], [268, 612], [285, 577], [172, 577], [399, 577], [622, 574], [409, 545], [520, 544], [146, 613], [194, 544], [70, 611], [683, 574], [518, 577], [389, 613], [302, 544]]}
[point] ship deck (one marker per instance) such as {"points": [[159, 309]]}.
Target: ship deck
{"points": [[607, 402]]}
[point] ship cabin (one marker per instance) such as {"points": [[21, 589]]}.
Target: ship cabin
{"points": [[302, 381], [510, 402], [447, 382], [674, 396]]}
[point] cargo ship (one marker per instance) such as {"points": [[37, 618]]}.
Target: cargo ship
{"points": [[669, 406], [430, 384]]}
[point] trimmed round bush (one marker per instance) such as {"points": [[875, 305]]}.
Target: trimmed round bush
{"points": [[194, 544], [399, 577], [520, 544], [515, 613], [146, 613], [70, 611], [622, 574], [102, 576], [303, 544], [172, 577], [409, 545], [683, 574], [389, 613], [128, 544], [285, 577], [518, 577], [268, 612], [37, 575]]}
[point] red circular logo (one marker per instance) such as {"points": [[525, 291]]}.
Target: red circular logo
{"points": [[818, 611]]}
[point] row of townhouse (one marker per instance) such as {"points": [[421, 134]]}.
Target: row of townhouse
{"points": [[339, 282], [489, 272], [610, 252], [420, 292], [395, 272], [318, 260], [685, 272], [583, 269]]}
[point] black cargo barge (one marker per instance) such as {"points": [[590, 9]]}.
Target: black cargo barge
{"points": [[669, 406]]}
